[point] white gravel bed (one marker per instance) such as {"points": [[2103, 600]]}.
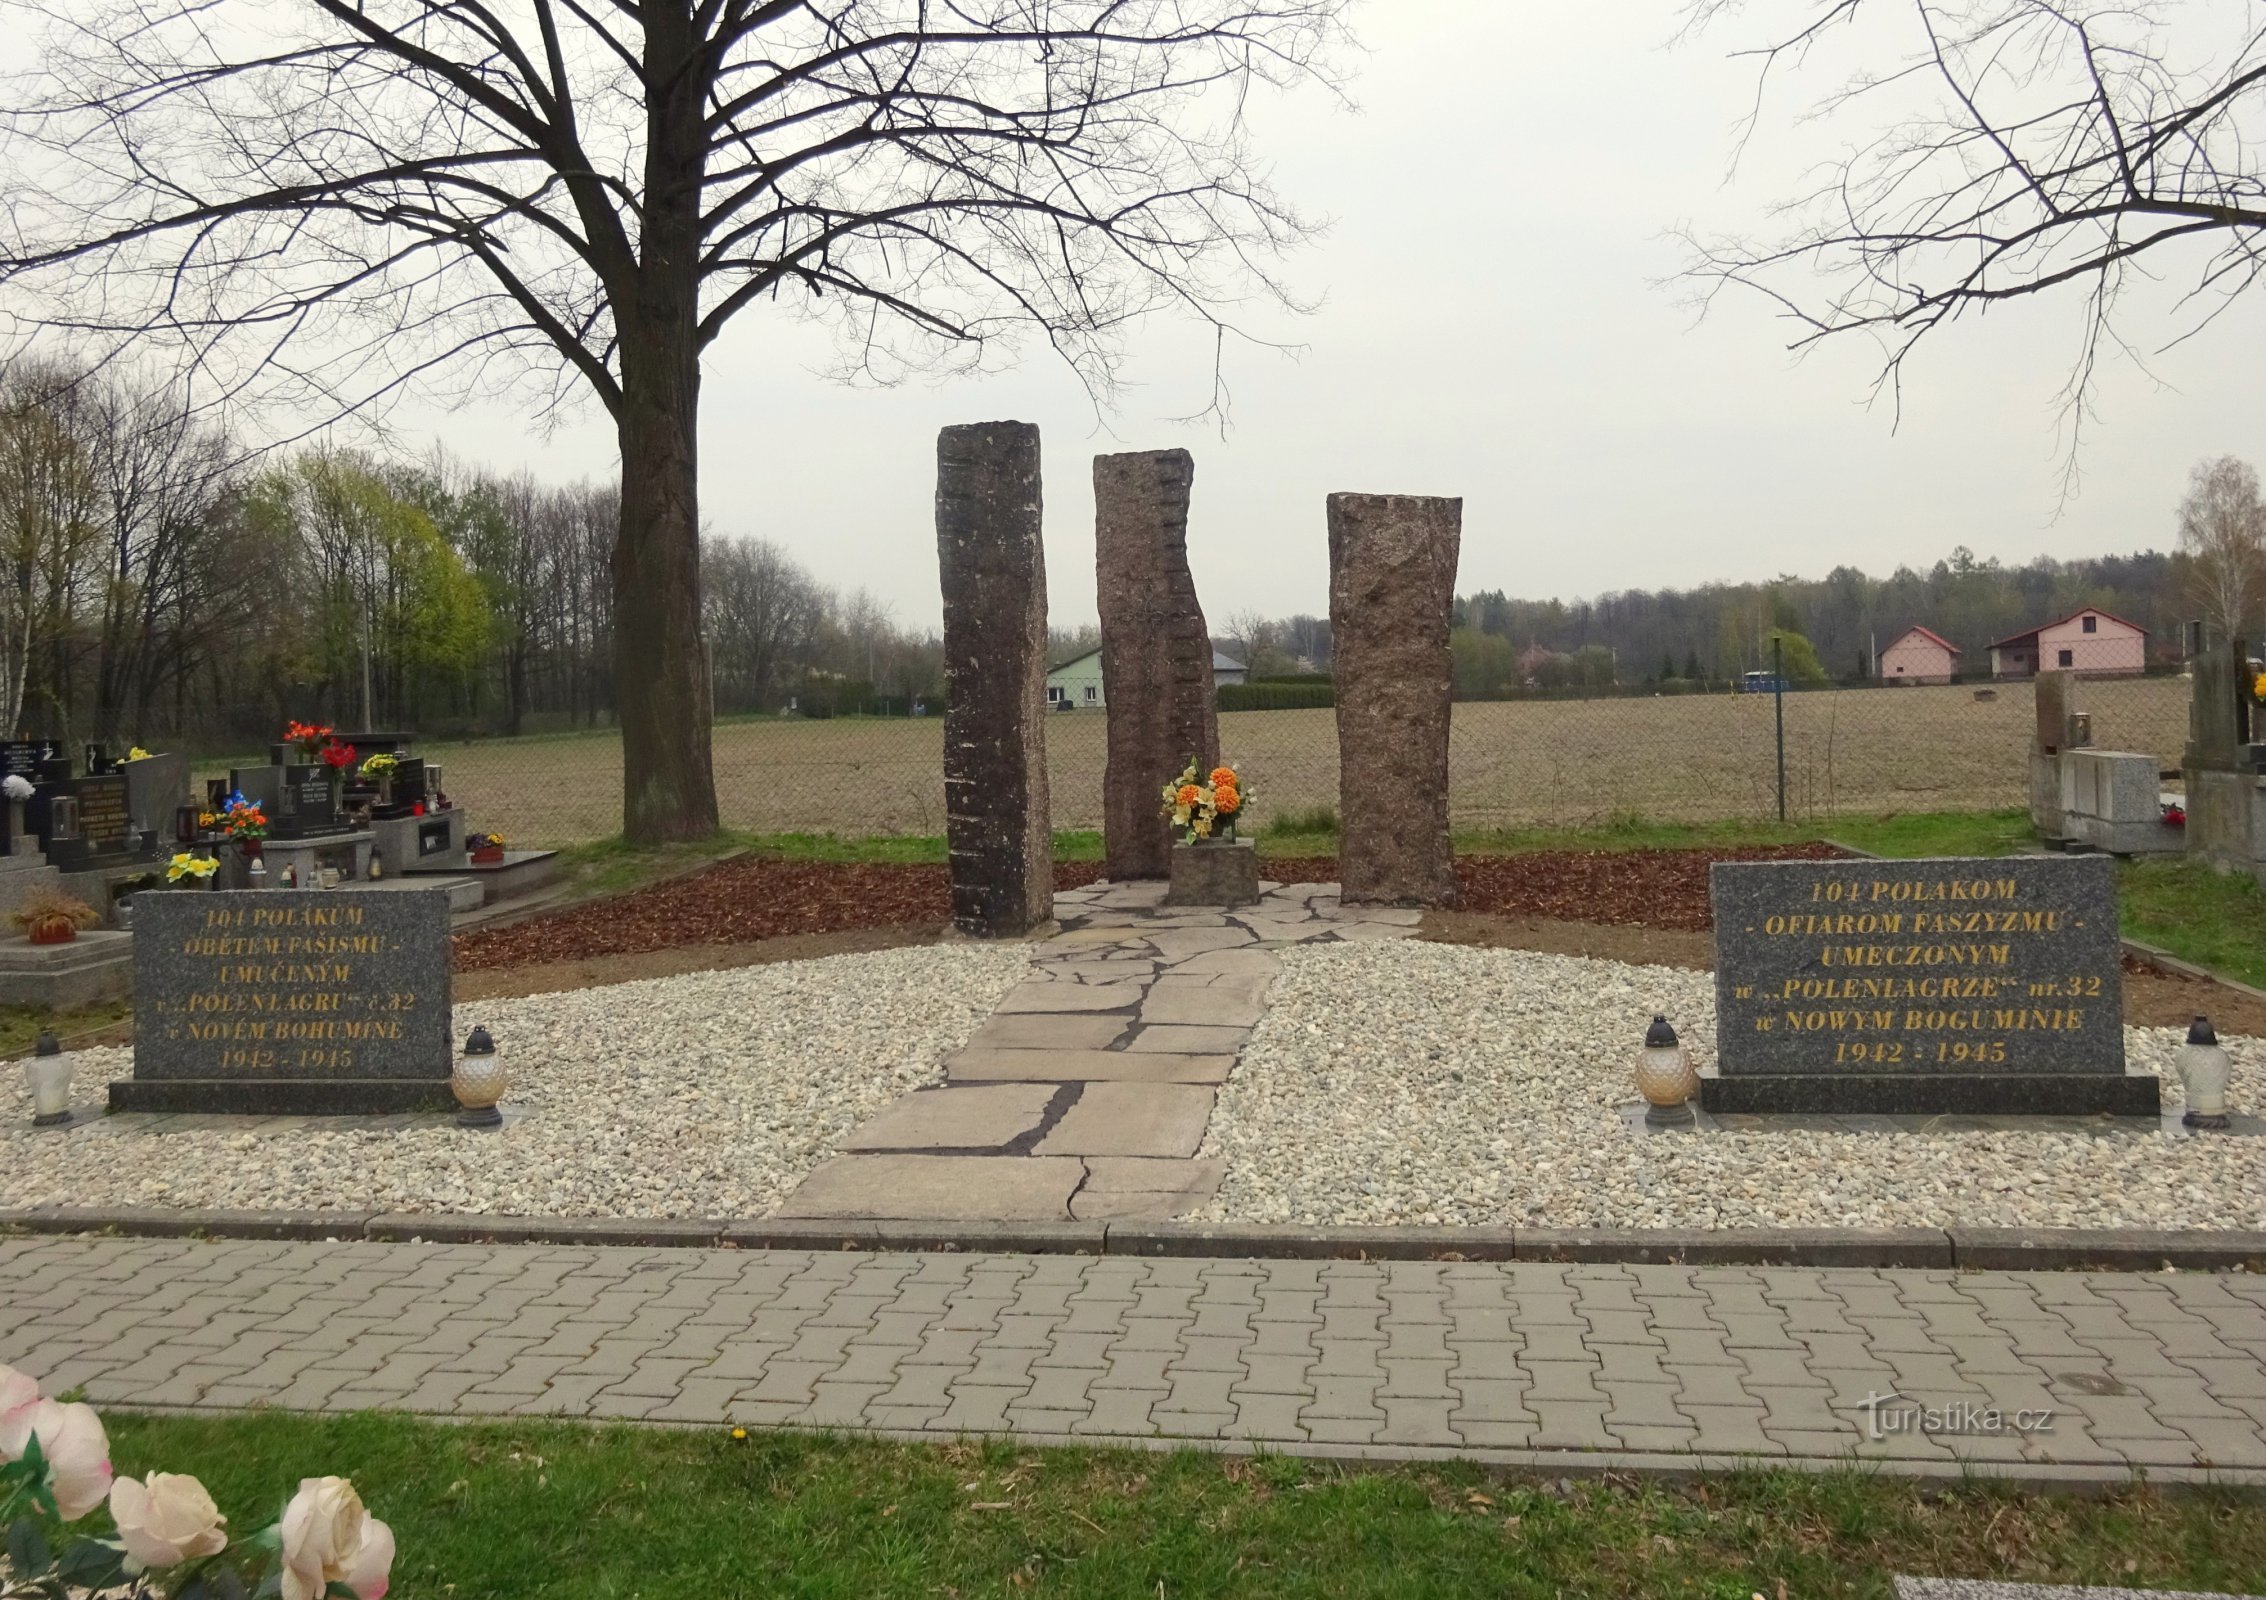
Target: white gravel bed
{"points": [[1408, 1082], [706, 1095]]}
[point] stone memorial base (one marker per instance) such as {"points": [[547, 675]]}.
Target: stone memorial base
{"points": [[347, 854], [1221, 874], [435, 840], [284, 1097], [2040, 1094], [94, 967], [518, 873]]}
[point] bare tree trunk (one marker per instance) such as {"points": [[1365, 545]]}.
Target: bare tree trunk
{"points": [[660, 681], [661, 688]]}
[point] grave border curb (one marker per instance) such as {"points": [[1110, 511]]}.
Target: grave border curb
{"points": [[1960, 1249]]}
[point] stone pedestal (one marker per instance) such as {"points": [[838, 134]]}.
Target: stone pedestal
{"points": [[1392, 585], [1224, 873], [1156, 652], [993, 567], [2110, 799]]}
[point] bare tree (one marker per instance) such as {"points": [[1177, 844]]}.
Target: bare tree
{"points": [[763, 613], [2016, 148], [2222, 532], [1254, 635], [325, 200]]}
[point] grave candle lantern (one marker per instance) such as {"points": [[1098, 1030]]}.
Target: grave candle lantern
{"points": [[479, 1081], [1665, 1077], [47, 1073], [2202, 1066]]}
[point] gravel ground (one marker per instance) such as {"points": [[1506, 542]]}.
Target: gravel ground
{"points": [[705, 1095], [1428, 1083]]}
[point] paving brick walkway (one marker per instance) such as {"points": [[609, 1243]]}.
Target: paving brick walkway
{"points": [[1085, 1096], [1606, 1365]]}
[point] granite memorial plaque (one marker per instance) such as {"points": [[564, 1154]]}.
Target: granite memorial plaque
{"points": [[23, 757], [282, 1002], [105, 820], [1936, 986], [306, 805]]}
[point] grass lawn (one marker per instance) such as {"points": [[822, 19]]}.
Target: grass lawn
{"points": [[495, 1512]]}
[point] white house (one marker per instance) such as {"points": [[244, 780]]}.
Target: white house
{"points": [[1077, 683]]}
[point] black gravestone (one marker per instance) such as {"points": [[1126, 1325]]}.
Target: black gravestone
{"points": [[306, 805], [102, 833], [25, 759], [287, 1003], [1937, 986]]}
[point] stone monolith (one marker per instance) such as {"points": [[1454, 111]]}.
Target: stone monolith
{"points": [[1392, 588], [1156, 653], [993, 566]]}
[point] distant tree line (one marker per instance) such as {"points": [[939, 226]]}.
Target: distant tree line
{"points": [[158, 583]]}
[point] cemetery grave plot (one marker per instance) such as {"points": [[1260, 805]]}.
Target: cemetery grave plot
{"points": [[1415, 1083], [1510, 764], [708, 1094]]}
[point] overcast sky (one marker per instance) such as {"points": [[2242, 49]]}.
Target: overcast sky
{"points": [[1495, 326]]}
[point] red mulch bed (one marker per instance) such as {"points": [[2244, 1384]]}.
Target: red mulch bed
{"points": [[1626, 888], [743, 901], [736, 903]]}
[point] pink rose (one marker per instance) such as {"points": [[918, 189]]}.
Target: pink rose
{"points": [[72, 1442], [18, 1394], [166, 1520], [328, 1538]]}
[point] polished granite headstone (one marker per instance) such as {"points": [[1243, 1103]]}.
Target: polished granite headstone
{"points": [[290, 1002], [1928, 987]]}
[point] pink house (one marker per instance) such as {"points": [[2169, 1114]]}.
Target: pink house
{"points": [[2089, 641], [1919, 656]]}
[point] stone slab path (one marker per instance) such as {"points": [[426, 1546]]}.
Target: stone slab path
{"points": [[2085, 1376], [1086, 1094]]}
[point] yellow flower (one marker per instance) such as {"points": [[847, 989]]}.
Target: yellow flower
{"points": [[1203, 827], [137, 754]]}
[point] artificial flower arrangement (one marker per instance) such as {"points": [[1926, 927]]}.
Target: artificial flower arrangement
{"points": [[338, 757], [16, 786], [308, 737], [137, 754], [192, 869], [169, 1538], [48, 916], [1207, 808], [379, 765], [240, 818], [2258, 688]]}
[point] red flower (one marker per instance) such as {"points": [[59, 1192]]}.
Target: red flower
{"points": [[338, 756]]}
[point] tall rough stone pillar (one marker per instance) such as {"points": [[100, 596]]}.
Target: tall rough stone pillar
{"points": [[1392, 588], [1156, 652], [993, 565]]}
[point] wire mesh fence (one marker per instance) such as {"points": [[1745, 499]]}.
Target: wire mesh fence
{"points": [[1515, 763]]}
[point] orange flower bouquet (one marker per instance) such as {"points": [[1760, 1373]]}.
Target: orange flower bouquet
{"points": [[1205, 806]]}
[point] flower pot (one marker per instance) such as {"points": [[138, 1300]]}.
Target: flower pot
{"points": [[1214, 872], [52, 930], [492, 856]]}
